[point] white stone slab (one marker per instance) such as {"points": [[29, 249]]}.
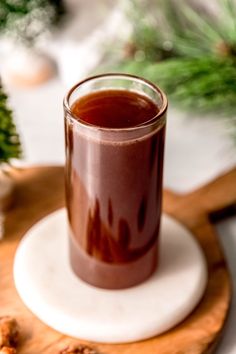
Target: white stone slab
{"points": [[54, 294]]}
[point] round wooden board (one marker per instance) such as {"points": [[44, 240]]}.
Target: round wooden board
{"points": [[40, 190]]}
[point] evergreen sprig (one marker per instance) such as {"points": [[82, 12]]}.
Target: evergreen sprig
{"points": [[188, 51], [180, 30], [10, 146], [27, 20], [203, 84]]}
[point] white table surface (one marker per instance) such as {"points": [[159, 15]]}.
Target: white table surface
{"points": [[197, 149]]}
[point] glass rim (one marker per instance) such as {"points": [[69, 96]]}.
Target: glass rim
{"points": [[148, 123]]}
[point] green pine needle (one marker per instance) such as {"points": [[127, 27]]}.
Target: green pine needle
{"points": [[187, 31], [27, 20], [205, 84], [10, 146], [187, 51]]}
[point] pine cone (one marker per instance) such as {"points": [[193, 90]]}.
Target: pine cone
{"points": [[7, 350], [223, 49], [129, 50], [78, 349], [9, 332]]}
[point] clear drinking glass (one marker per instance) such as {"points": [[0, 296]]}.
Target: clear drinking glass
{"points": [[114, 187]]}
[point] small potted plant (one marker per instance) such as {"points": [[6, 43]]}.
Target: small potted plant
{"points": [[10, 147]]}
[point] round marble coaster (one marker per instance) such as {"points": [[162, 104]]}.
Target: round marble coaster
{"points": [[53, 293]]}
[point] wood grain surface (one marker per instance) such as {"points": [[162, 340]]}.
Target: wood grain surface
{"points": [[40, 190]]}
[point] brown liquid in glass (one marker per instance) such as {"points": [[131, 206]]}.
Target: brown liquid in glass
{"points": [[114, 191]]}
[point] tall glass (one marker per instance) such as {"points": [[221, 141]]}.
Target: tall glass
{"points": [[114, 188]]}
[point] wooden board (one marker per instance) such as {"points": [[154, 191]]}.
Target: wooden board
{"points": [[40, 191]]}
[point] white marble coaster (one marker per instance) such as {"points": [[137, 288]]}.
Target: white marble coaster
{"points": [[54, 294]]}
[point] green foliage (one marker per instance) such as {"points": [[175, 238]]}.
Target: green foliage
{"points": [[146, 38], [9, 139], [178, 29], [26, 20], [205, 84], [188, 51]]}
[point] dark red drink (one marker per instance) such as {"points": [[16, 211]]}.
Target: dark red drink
{"points": [[114, 186]]}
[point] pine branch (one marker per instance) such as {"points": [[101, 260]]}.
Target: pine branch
{"points": [[188, 31], [205, 84], [27, 20], [10, 146], [199, 69]]}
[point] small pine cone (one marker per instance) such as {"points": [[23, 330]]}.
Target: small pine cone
{"points": [[223, 49], [78, 349], [129, 50], [7, 350], [9, 332]]}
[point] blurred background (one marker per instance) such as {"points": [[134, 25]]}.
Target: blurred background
{"points": [[186, 47], [46, 46]]}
